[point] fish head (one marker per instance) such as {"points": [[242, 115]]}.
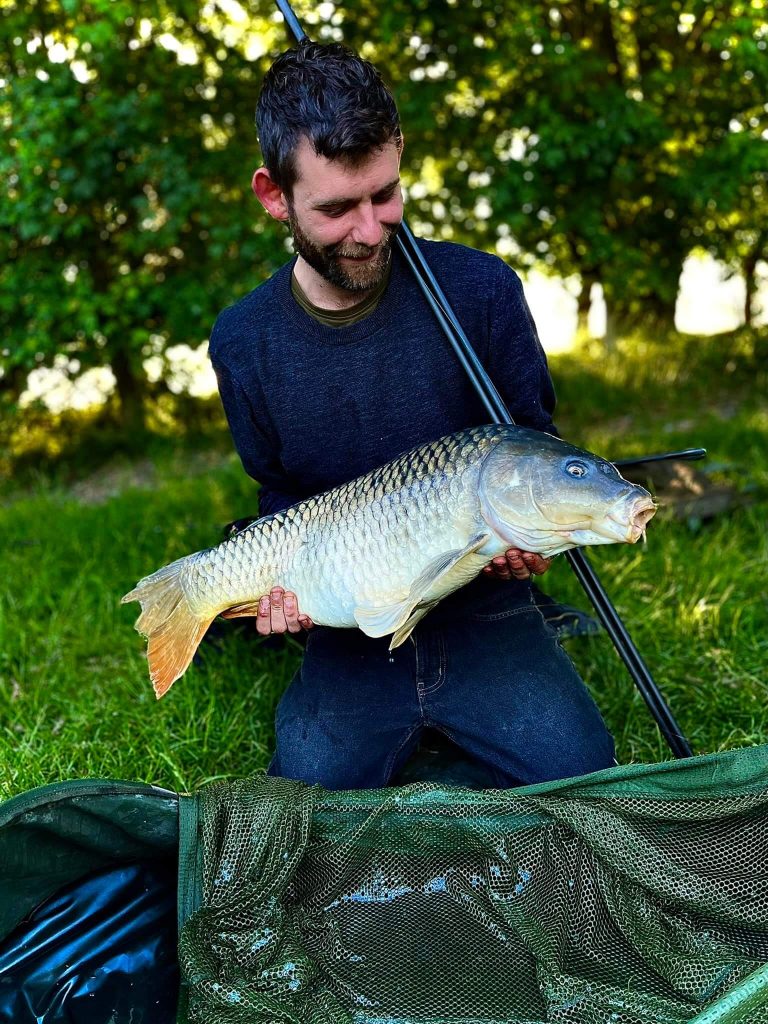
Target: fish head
{"points": [[541, 494]]}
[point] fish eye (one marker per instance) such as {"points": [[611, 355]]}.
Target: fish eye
{"points": [[576, 468]]}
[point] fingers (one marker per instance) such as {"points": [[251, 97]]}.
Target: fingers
{"points": [[276, 599], [537, 564], [517, 564], [291, 609], [279, 613], [264, 619], [499, 568]]}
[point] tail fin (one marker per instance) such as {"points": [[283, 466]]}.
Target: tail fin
{"points": [[173, 629]]}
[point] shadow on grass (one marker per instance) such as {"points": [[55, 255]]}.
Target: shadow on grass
{"points": [[41, 447]]}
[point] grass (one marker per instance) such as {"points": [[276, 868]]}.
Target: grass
{"points": [[75, 700]]}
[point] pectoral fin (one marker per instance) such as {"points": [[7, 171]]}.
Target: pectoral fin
{"points": [[382, 619], [442, 576], [401, 635]]}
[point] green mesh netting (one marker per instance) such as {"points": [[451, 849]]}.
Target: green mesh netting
{"points": [[634, 895]]}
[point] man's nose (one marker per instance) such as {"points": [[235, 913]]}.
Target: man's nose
{"points": [[367, 229]]}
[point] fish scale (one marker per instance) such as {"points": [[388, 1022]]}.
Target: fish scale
{"points": [[380, 551]]}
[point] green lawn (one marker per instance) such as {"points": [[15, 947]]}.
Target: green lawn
{"points": [[75, 699]]}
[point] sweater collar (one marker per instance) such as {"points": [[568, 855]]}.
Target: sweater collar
{"points": [[383, 316]]}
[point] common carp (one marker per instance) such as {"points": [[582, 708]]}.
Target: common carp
{"points": [[381, 551]]}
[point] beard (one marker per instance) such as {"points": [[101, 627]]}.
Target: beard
{"points": [[326, 259]]}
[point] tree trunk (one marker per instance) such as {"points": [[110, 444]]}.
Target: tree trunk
{"points": [[749, 269], [585, 302], [652, 316], [648, 309], [614, 325], [658, 315], [130, 391], [13, 382], [617, 315]]}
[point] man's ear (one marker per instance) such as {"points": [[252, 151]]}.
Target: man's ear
{"points": [[270, 195]]}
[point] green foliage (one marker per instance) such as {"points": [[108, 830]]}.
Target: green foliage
{"points": [[604, 138], [131, 222]]}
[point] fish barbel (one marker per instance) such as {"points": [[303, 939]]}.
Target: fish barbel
{"points": [[381, 551]]}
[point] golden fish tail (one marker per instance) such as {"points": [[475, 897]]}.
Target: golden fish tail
{"points": [[173, 629]]}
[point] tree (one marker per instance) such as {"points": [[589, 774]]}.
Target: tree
{"points": [[131, 221], [604, 138], [732, 224], [579, 133]]}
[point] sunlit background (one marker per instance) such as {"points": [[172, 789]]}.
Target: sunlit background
{"points": [[504, 110], [710, 302]]}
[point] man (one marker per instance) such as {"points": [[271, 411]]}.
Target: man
{"points": [[336, 365]]}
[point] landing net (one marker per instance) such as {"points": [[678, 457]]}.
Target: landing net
{"points": [[631, 896]]}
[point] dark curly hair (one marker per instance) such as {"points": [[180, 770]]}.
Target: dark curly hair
{"points": [[330, 95]]}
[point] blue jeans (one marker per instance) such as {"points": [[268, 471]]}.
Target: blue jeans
{"points": [[483, 668]]}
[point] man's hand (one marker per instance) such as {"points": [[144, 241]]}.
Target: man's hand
{"points": [[515, 564], [279, 613]]}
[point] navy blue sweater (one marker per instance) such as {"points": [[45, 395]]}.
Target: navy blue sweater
{"points": [[311, 406]]}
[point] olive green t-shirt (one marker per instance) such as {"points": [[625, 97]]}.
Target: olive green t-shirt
{"points": [[341, 317]]}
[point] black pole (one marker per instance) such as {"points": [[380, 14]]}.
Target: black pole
{"points": [[689, 454], [291, 20], [629, 653], [499, 413], [467, 356]]}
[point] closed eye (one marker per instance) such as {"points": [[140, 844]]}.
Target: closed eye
{"points": [[386, 193], [378, 200], [337, 211]]}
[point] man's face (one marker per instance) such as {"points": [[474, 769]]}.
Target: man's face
{"points": [[343, 217]]}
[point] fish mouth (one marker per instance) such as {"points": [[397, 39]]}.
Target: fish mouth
{"points": [[640, 515], [628, 521]]}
